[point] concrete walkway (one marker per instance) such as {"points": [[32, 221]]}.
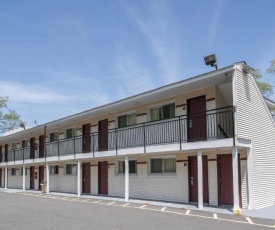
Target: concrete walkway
{"points": [[268, 213]]}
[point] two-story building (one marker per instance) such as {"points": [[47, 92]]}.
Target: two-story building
{"points": [[209, 139]]}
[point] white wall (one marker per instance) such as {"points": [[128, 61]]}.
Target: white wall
{"points": [[213, 182], [15, 181], [62, 182], [94, 180], [172, 188], [255, 123]]}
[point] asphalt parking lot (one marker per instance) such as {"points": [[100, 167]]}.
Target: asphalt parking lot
{"points": [[27, 210]]}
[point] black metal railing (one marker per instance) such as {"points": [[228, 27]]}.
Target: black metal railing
{"points": [[212, 124]]}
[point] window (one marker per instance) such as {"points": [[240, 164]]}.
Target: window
{"points": [[54, 136], [54, 169], [163, 165], [127, 120], [24, 143], [70, 133], [13, 145], [132, 166], [21, 171], [162, 112], [13, 171], [71, 169]]}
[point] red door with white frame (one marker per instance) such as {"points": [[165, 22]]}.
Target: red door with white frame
{"points": [[196, 119]]}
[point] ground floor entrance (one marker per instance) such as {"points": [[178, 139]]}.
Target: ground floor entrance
{"points": [[103, 177]]}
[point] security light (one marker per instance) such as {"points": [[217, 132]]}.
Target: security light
{"points": [[211, 60]]}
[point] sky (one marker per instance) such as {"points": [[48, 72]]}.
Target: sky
{"points": [[60, 57]]}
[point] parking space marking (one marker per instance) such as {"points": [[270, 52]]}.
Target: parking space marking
{"points": [[97, 201], [249, 220]]}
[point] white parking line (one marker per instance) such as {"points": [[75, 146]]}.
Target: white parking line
{"points": [[143, 206], [125, 204], [249, 220], [215, 216], [163, 209], [111, 203], [97, 201], [187, 212]]}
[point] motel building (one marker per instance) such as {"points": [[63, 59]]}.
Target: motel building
{"points": [[208, 140]]}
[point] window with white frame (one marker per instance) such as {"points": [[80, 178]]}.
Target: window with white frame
{"points": [[21, 171], [24, 143], [70, 133], [126, 120], [163, 165], [13, 145], [13, 171], [53, 169], [71, 169], [162, 112], [54, 136], [132, 166]]}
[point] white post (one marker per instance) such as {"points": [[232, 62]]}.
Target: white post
{"points": [[250, 178], [235, 169], [6, 177], [126, 178], [78, 178], [48, 177], [24, 178], [200, 180]]}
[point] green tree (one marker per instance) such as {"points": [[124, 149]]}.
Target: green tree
{"points": [[9, 119], [265, 88]]}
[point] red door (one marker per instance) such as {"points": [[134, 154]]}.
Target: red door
{"points": [[86, 138], [86, 178], [32, 177], [6, 152], [41, 175], [193, 179], [32, 148], [103, 177], [41, 146], [196, 119], [0, 177], [103, 135], [225, 176]]}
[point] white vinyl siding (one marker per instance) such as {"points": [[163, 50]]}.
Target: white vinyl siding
{"points": [[255, 123], [164, 188]]}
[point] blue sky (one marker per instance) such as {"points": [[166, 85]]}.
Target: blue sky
{"points": [[59, 57]]}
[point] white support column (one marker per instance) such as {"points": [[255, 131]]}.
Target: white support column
{"points": [[235, 169], [24, 178], [48, 177], [126, 178], [6, 177], [250, 178], [200, 180], [79, 178]]}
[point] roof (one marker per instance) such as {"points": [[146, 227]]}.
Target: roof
{"points": [[201, 81]]}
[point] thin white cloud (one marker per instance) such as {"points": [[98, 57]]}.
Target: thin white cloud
{"points": [[215, 22], [158, 31], [18, 92]]}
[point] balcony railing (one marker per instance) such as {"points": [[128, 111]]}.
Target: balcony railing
{"points": [[212, 124]]}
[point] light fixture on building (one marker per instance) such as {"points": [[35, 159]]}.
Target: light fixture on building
{"points": [[211, 60]]}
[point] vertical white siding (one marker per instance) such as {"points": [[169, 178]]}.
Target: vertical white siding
{"points": [[2, 177], [213, 182], [94, 180], [63, 183], [244, 183], [255, 123]]}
